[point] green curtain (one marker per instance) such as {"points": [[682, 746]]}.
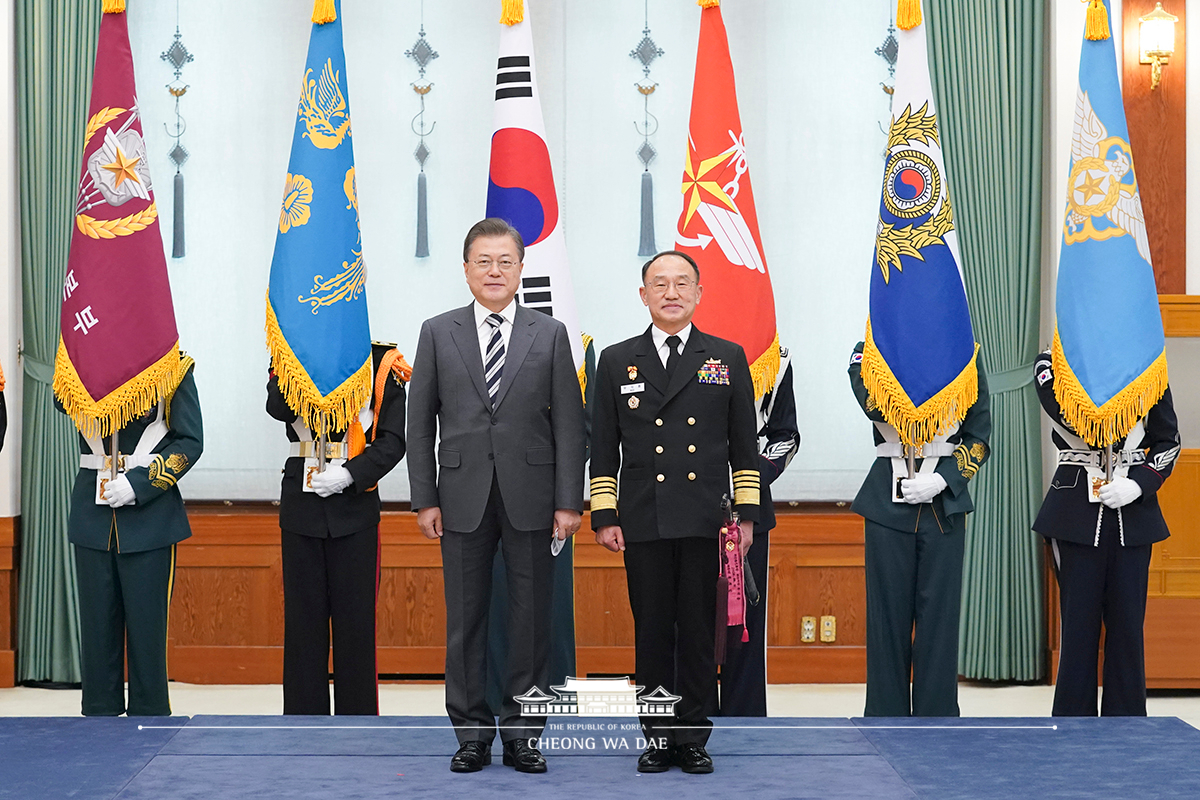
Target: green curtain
{"points": [[988, 63], [56, 49]]}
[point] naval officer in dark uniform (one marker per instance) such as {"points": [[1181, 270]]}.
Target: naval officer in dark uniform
{"points": [[125, 532], [914, 558], [1102, 536], [674, 413], [329, 526], [744, 673]]}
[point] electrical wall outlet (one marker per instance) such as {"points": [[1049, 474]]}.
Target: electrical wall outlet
{"points": [[828, 629], [808, 629]]}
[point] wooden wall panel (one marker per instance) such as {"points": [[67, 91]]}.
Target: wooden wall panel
{"points": [[9, 534], [1158, 135], [1180, 314], [227, 612]]}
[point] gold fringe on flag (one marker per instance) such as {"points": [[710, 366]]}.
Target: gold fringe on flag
{"points": [[332, 412], [127, 402], [113, 7], [708, 3], [908, 14], [1114, 420], [917, 426], [582, 372], [1097, 22], [765, 369], [512, 12], [324, 11]]}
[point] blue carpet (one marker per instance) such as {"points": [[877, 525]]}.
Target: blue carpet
{"points": [[368, 757]]}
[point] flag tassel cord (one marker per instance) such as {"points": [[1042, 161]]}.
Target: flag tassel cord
{"points": [[1097, 22], [935, 416], [908, 14], [1106, 424], [512, 12], [334, 411], [137, 396]]}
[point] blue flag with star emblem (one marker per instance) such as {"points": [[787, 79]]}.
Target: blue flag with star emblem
{"points": [[317, 328], [918, 363], [1109, 351]]}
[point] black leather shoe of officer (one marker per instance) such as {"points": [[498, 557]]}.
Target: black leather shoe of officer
{"points": [[471, 757], [655, 759], [520, 755], [693, 758]]}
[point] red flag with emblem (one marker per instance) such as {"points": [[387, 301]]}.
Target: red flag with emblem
{"points": [[719, 226], [119, 351]]}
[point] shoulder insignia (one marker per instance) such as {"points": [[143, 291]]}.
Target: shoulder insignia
{"points": [[1045, 376], [158, 475], [856, 358], [177, 463]]}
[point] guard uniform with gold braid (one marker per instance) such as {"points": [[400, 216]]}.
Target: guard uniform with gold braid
{"points": [[125, 559], [661, 459], [331, 544]]}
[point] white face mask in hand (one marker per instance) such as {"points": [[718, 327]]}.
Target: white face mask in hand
{"points": [[333, 480], [1120, 492], [119, 492], [922, 488]]}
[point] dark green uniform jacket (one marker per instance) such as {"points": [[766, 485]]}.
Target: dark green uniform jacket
{"points": [[157, 518], [874, 500], [673, 445]]}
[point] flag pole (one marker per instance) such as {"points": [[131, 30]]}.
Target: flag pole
{"points": [[116, 455], [910, 454], [1108, 465], [322, 441]]}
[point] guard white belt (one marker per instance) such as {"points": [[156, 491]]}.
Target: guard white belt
{"points": [[128, 462], [310, 449], [1095, 458], [930, 450]]}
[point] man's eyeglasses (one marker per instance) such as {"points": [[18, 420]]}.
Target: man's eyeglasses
{"points": [[485, 264], [683, 285]]}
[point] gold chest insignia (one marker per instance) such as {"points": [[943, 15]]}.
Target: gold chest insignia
{"points": [[632, 372], [634, 402], [323, 108]]}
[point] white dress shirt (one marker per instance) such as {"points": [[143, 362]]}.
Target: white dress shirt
{"points": [[484, 328], [660, 341]]}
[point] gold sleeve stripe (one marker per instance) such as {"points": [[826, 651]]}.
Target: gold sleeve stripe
{"points": [[599, 484], [744, 473], [745, 497], [604, 502]]}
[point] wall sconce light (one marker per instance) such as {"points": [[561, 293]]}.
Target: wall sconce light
{"points": [[1156, 35]]}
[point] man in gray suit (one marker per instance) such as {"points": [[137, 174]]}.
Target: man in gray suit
{"points": [[499, 381]]}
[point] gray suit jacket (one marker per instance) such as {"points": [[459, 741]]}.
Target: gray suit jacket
{"points": [[533, 441]]}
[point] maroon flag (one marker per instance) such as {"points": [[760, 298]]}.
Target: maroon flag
{"points": [[119, 352]]}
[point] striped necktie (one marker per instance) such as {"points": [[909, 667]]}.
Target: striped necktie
{"points": [[493, 363]]}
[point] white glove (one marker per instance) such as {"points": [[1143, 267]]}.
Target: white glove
{"points": [[333, 480], [1120, 492], [922, 488], [119, 492]]}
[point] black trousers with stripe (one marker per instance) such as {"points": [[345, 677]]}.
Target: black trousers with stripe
{"points": [[124, 602], [330, 580]]}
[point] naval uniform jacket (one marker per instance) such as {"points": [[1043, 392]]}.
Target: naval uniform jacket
{"points": [[1067, 513], [356, 508], [971, 450], [670, 446], [157, 518]]}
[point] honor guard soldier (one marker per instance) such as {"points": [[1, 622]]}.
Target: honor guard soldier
{"points": [[125, 531], [744, 673], [674, 413], [329, 525], [1102, 534], [914, 558]]}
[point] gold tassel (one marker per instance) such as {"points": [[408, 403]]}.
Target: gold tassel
{"points": [[1097, 22], [356, 440], [917, 426], [581, 373], [1114, 420], [324, 11], [908, 14], [765, 369], [708, 3], [512, 12], [114, 6]]}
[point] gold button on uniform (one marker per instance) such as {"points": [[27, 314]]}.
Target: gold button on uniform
{"points": [[658, 422], [691, 420], [691, 476], [661, 477], [691, 448], [658, 449]]}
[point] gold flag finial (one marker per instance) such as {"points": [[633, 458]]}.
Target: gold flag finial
{"points": [[324, 11], [114, 6], [908, 14], [708, 3], [1097, 21], [512, 12]]}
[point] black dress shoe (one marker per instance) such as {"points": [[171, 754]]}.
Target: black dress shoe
{"points": [[524, 758], [693, 758], [471, 757], [655, 759]]}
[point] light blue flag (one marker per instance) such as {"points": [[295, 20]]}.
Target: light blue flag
{"points": [[317, 328], [1109, 354]]}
